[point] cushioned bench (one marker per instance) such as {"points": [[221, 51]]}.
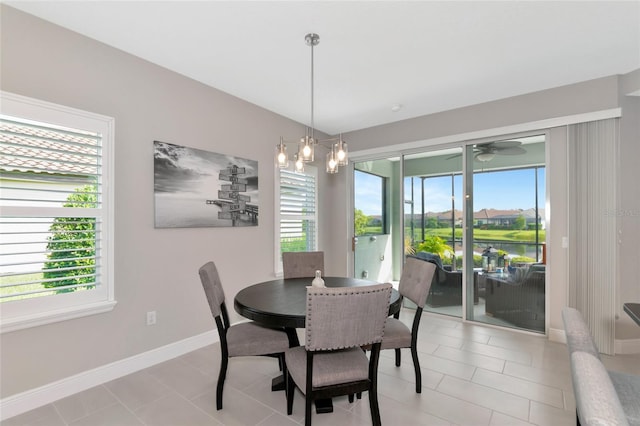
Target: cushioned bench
{"points": [[602, 397]]}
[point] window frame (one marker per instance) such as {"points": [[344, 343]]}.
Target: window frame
{"points": [[32, 312], [309, 171]]}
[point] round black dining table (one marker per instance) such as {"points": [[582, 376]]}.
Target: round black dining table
{"points": [[633, 309], [282, 303]]}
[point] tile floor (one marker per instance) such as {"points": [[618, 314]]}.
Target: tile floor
{"points": [[472, 375]]}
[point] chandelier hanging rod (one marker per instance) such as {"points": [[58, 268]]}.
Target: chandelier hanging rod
{"points": [[312, 40]]}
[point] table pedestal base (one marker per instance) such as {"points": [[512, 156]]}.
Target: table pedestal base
{"points": [[277, 383], [322, 405]]}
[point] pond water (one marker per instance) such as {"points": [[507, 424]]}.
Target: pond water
{"points": [[514, 249]]}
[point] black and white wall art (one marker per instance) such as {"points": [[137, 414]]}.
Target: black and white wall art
{"points": [[197, 188]]}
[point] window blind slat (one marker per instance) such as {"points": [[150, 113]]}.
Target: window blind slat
{"points": [[45, 291]]}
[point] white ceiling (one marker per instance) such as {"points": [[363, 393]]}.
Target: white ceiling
{"points": [[428, 56]]}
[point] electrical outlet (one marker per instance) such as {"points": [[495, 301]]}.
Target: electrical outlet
{"points": [[151, 318]]}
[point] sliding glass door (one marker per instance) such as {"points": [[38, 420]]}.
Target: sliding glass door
{"points": [[509, 232], [478, 212], [433, 222]]}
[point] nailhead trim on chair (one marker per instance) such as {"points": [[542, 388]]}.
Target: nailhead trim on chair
{"points": [[330, 291]]}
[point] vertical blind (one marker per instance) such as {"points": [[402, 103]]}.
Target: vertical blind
{"points": [[298, 216], [593, 164], [50, 196]]}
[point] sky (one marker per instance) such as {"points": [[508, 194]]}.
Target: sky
{"points": [[502, 190]]}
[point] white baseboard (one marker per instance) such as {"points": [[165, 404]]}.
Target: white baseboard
{"points": [[557, 335], [627, 346], [34, 398], [621, 346]]}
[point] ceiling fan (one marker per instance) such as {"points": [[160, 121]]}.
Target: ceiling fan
{"points": [[486, 151]]}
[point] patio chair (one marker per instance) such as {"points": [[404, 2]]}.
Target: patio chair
{"points": [[520, 302], [339, 321], [446, 288], [244, 339]]}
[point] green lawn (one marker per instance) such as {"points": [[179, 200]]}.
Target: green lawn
{"points": [[5, 292], [506, 235]]}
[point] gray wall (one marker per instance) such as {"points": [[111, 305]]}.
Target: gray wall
{"points": [[577, 98], [157, 269]]}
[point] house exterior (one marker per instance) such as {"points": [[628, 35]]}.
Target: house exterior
{"points": [[507, 218], [444, 218], [489, 217]]}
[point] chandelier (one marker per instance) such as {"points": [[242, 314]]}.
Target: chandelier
{"points": [[337, 155]]}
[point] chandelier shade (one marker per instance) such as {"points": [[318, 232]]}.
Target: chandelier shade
{"points": [[332, 162], [306, 149], [342, 153], [282, 158], [338, 153], [298, 163]]}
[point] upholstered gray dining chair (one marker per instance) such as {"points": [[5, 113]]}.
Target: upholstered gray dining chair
{"points": [[415, 283], [577, 332], [244, 339], [339, 321], [302, 264]]}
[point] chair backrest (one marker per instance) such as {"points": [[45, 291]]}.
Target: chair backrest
{"points": [[577, 332], [302, 264], [416, 279], [346, 317], [212, 287]]}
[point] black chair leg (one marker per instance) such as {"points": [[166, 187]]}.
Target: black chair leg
{"points": [[290, 389], [397, 357], [374, 407], [416, 366], [351, 398], [223, 374], [307, 410]]}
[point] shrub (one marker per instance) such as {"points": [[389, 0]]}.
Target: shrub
{"points": [[434, 244], [72, 245], [360, 221]]}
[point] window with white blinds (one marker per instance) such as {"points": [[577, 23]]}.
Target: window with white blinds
{"points": [[54, 221], [297, 218]]}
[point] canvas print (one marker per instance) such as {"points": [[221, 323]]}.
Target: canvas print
{"points": [[197, 188]]}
